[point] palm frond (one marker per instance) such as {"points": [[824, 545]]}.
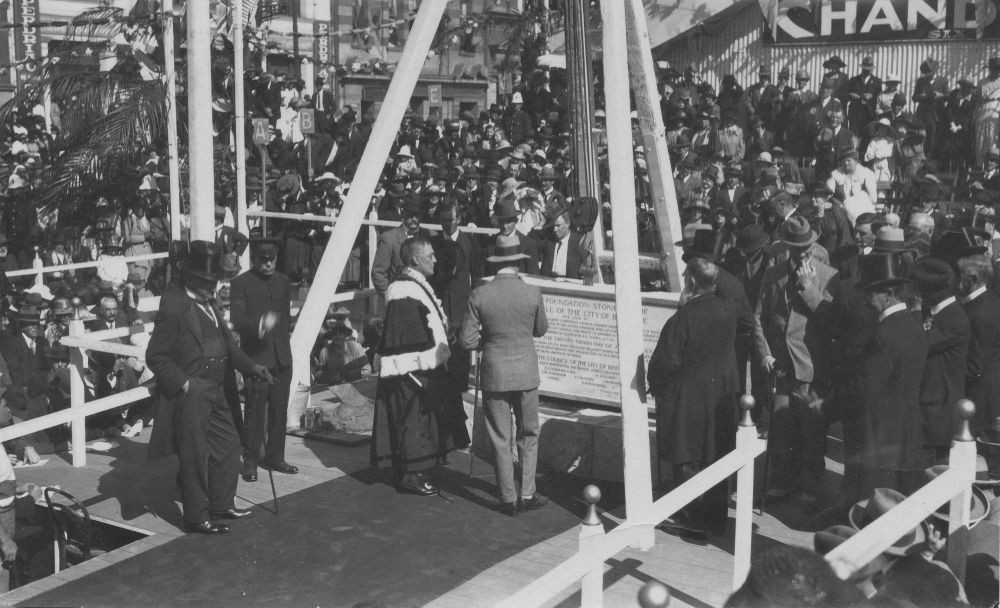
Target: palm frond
{"points": [[102, 22]]}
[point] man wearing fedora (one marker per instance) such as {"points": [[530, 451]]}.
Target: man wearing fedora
{"points": [[504, 317], [886, 430], [260, 313], [506, 214], [792, 324], [948, 335], [387, 264], [194, 355]]}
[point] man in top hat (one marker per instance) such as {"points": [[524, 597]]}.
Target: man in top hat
{"points": [[861, 94], [948, 336], [792, 326], [885, 433], [930, 92], [415, 424], [982, 307], [387, 263], [193, 355], [260, 313], [692, 374], [504, 317], [834, 67]]}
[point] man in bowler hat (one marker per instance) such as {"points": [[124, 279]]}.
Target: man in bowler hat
{"points": [[193, 355], [260, 312]]}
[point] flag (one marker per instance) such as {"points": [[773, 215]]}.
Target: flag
{"points": [[770, 10]]}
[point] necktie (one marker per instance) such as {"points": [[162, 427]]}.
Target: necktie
{"points": [[31, 345]]}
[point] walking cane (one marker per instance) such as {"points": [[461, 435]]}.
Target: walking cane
{"points": [[772, 380], [274, 493], [475, 404]]}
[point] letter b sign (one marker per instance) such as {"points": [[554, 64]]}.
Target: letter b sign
{"points": [[307, 121]]}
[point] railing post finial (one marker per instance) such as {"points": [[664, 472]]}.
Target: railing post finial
{"points": [[965, 410], [76, 303], [747, 404], [591, 496], [654, 594]]}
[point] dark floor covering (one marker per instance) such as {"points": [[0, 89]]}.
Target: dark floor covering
{"points": [[351, 542]]}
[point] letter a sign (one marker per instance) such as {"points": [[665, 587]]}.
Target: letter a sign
{"points": [[260, 131]]}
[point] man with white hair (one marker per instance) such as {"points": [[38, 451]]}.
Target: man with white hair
{"points": [[918, 233]]}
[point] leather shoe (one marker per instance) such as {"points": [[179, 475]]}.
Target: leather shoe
{"points": [[208, 527], [283, 467], [249, 473], [418, 486], [507, 508], [530, 504], [231, 514]]}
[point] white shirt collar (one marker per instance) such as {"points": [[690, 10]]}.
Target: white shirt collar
{"points": [[975, 294], [28, 340], [940, 305], [901, 306]]}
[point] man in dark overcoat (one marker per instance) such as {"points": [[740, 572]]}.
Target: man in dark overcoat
{"points": [[193, 355], [948, 337], [504, 317], [890, 426], [692, 374], [260, 302], [982, 305]]}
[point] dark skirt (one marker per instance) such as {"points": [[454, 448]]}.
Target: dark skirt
{"points": [[414, 426], [296, 257]]}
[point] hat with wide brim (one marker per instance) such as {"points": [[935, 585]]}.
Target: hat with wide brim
{"points": [[881, 501], [979, 506], [956, 244], [510, 253], [796, 232], [204, 260], [834, 63]]}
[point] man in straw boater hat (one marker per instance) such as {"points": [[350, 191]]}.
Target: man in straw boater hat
{"points": [[888, 433], [793, 345], [260, 312], [415, 425], [504, 316], [193, 355]]}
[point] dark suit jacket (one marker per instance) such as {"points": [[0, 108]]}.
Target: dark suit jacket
{"points": [[574, 256], [504, 317], [28, 372], [251, 296], [691, 370], [174, 355], [982, 376], [944, 374], [459, 266], [387, 264]]}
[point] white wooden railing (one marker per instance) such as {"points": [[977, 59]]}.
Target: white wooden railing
{"points": [[597, 546], [76, 415], [954, 486]]}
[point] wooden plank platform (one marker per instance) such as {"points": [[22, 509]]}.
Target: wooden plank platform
{"points": [[123, 485]]}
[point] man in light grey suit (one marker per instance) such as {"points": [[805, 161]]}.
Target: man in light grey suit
{"points": [[503, 318]]}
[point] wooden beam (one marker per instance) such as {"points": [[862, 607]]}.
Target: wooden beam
{"points": [[628, 299], [366, 178], [661, 175]]}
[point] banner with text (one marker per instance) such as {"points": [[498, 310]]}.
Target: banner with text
{"points": [[27, 39], [872, 21]]}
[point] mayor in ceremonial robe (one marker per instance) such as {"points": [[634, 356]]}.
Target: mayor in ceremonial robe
{"points": [[413, 426]]}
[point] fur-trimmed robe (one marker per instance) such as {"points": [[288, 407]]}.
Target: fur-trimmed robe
{"points": [[415, 420]]}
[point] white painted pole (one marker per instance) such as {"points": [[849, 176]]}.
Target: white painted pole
{"points": [[239, 129], [383, 133], [201, 161], [962, 460], [173, 155], [746, 438], [78, 366], [668, 219], [628, 301], [591, 535]]}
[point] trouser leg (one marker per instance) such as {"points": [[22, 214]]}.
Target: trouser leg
{"points": [[811, 438], [254, 415], [223, 455], [498, 413], [192, 438], [277, 415], [526, 416], [780, 436]]}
